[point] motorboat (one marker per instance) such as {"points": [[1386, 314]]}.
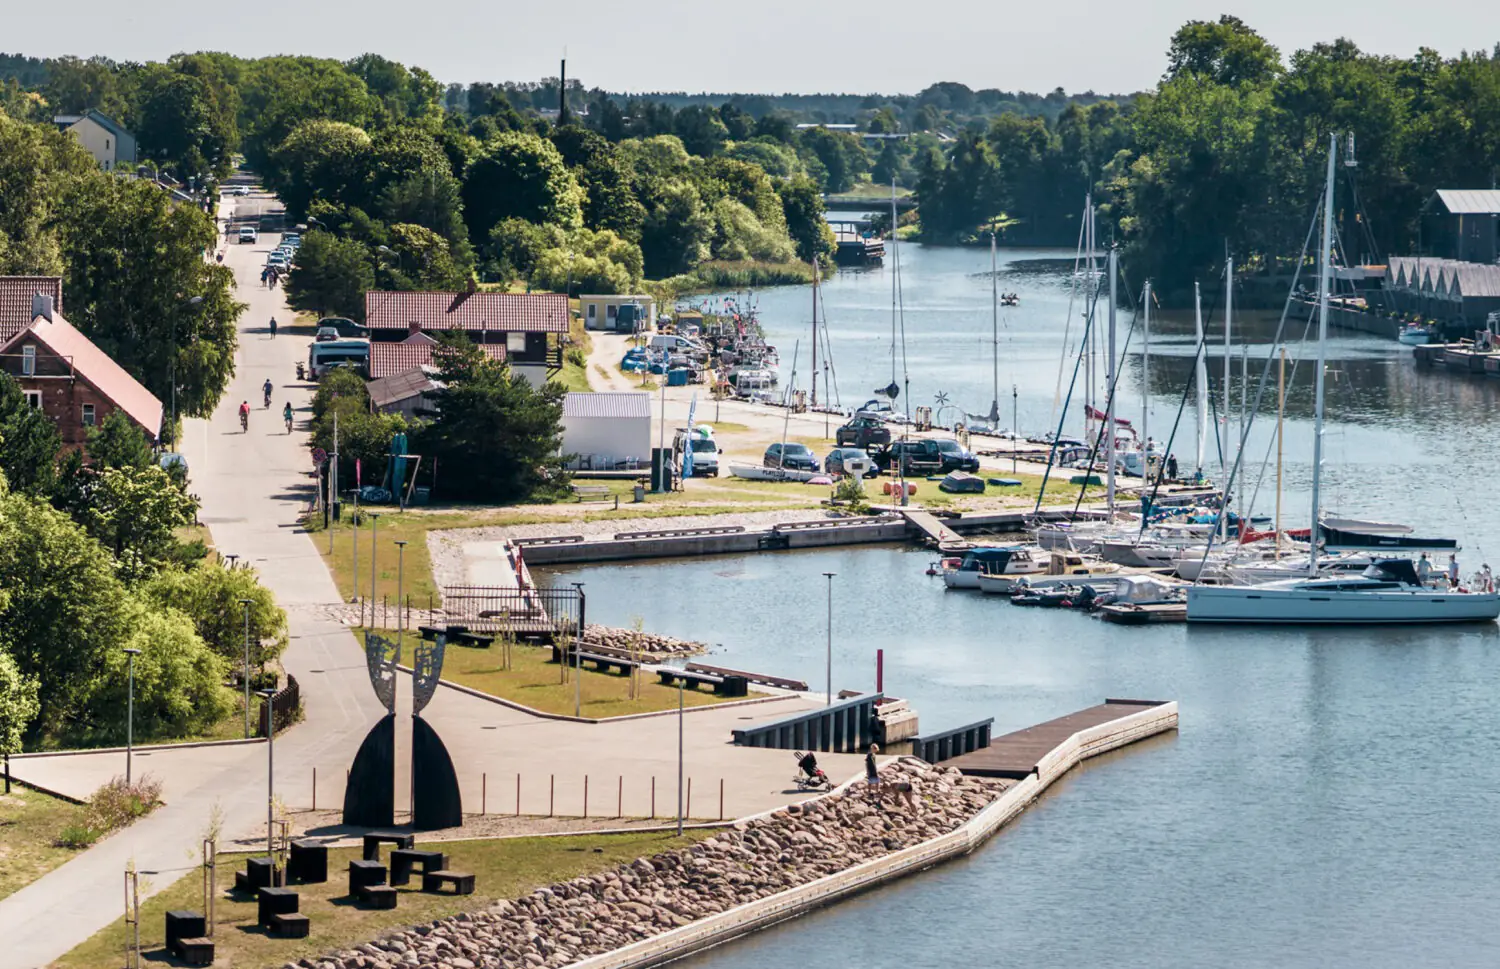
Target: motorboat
{"points": [[1007, 560], [1061, 568], [1416, 335], [1388, 591], [756, 472]]}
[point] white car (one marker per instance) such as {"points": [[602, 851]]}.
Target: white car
{"points": [[248, 234]]}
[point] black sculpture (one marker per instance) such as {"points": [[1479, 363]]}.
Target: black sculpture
{"points": [[435, 799], [370, 797]]}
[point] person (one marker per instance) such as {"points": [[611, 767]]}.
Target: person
{"points": [[1424, 569], [245, 414], [266, 389], [1452, 571], [903, 791], [1172, 467], [273, 327], [1487, 578], [872, 771], [286, 415]]}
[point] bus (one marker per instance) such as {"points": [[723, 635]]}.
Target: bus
{"points": [[323, 357]]}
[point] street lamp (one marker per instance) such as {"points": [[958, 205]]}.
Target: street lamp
{"points": [[246, 675], [679, 757], [130, 715], [266, 695], [374, 551], [578, 657], [829, 576], [400, 591]]}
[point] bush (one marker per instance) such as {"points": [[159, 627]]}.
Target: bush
{"points": [[117, 803], [577, 357], [78, 835]]}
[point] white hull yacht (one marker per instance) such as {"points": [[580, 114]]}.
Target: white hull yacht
{"points": [[1388, 592]]}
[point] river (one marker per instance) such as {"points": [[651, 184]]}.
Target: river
{"points": [[1330, 797]]}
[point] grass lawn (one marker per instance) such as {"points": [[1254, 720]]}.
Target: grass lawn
{"points": [[504, 868], [874, 190], [536, 681], [30, 822]]}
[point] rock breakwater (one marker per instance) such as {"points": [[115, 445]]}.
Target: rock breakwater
{"points": [[653, 644], [594, 914]]}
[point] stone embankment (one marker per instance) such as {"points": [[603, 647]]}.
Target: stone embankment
{"points": [[653, 644], [595, 914]]}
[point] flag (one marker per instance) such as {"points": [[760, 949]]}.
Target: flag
{"points": [[356, 474], [687, 455]]}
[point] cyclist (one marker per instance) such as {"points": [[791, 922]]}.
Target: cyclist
{"points": [[266, 389], [244, 415], [286, 415]]}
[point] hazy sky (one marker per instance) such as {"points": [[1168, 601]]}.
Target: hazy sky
{"points": [[772, 46]]}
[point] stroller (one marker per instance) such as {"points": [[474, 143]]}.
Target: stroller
{"points": [[810, 777]]}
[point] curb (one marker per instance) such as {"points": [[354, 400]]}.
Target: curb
{"points": [[148, 748]]}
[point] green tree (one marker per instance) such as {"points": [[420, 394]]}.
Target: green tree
{"points": [[363, 436], [1226, 52], [516, 246], [29, 443], [422, 259], [210, 596], [182, 125], [75, 86], [119, 443], [18, 703], [520, 176], [700, 129], [279, 93], [802, 206], [676, 234], [36, 162], [133, 512], [592, 262], [320, 159], [331, 275], [841, 154], [739, 234]]}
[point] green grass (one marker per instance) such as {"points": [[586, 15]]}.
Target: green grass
{"points": [[30, 823], [503, 868], [535, 681], [871, 190]]}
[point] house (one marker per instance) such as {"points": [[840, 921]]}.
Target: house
{"points": [[1463, 224], [410, 393], [526, 330], [62, 372], [608, 429], [600, 312], [17, 301], [110, 144]]}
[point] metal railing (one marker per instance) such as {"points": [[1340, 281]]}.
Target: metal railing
{"points": [[539, 614], [845, 727], [284, 704]]}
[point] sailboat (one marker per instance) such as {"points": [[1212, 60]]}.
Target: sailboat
{"points": [[990, 423], [757, 472], [1388, 591]]}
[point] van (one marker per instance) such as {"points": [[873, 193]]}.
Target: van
{"points": [[671, 342], [705, 450], [323, 357]]}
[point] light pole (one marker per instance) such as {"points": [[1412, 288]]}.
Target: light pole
{"points": [[679, 757], [578, 658], [374, 551], [829, 576], [130, 715], [266, 695], [246, 603], [400, 580]]}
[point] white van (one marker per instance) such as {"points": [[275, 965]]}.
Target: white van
{"points": [[673, 343], [705, 450], [323, 357]]}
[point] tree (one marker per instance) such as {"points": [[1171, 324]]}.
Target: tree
{"points": [[421, 259], [29, 443], [700, 129], [182, 125], [517, 245], [133, 512], [119, 443], [592, 262], [958, 194], [331, 275], [36, 162], [1226, 52], [280, 93], [677, 231], [520, 176], [739, 234], [499, 439], [841, 155], [210, 596], [18, 703], [802, 205], [320, 159]]}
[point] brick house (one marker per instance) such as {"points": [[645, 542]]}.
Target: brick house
{"points": [[526, 330], [60, 370]]}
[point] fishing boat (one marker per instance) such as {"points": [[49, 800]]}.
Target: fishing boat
{"points": [[1388, 591], [1417, 334], [1007, 560], [1062, 568]]}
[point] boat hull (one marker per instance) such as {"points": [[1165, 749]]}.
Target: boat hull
{"points": [[1262, 606]]}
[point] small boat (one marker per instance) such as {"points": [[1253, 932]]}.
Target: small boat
{"points": [[1009, 560], [756, 472], [1062, 568], [1416, 335], [1389, 591]]}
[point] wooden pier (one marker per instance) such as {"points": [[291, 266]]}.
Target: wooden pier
{"points": [[935, 531], [1026, 752]]}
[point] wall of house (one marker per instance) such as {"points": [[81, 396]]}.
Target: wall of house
{"points": [[108, 149], [64, 396], [615, 437], [604, 309]]}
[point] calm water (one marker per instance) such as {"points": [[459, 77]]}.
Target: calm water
{"points": [[1332, 795]]}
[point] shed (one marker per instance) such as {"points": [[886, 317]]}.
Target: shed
{"points": [[607, 430], [1464, 224], [409, 393], [600, 312]]}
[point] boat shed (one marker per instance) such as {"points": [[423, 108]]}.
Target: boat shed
{"points": [[607, 430], [1464, 224]]}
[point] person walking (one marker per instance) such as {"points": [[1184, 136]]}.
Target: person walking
{"points": [[1487, 578], [872, 770], [273, 327]]}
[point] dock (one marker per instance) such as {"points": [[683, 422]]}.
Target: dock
{"points": [[935, 531], [1025, 752]]}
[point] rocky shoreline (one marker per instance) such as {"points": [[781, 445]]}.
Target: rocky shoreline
{"points": [[652, 644], [595, 914]]}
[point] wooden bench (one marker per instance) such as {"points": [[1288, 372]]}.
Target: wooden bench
{"points": [[275, 901], [379, 896], [404, 859], [290, 925], [364, 874], [594, 493], [307, 863], [196, 952], [478, 640], [185, 926], [600, 662], [462, 881], [374, 839], [728, 685], [259, 873], [763, 678]]}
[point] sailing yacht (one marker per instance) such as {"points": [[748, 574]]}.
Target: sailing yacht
{"points": [[1388, 591]]}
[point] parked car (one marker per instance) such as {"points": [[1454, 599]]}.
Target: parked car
{"points": [[834, 463], [327, 334], [795, 457], [914, 457], [347, 328], [955, 456], [248, 234], [277, 261], [293, 239], [863, 432]]}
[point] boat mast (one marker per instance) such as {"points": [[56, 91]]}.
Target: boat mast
{"points": [[1280, 416], [1224, 411], [1087, 348], [895, 272], [1244, 404], [995, 331], [814, 398], [1325, 275], [1146, 379], [1201, 369], [1109, 386]]}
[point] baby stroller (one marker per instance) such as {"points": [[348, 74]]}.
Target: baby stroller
{"points": [[810, 776]]}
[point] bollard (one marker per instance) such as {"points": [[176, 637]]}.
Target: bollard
{"points": [[653, 798], [585, 795], [551, 793], [315, 788], [721, 799], [687, 811], [484, 793], [385, 613], [518, 795], [620, 799]]}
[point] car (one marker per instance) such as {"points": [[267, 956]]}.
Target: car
{"points": [[863, 432], [955, 456], [286, 252], [326, 334], [242, 190], [291, 239], [277, 261], [347, 329], [835, 462], [248, 234], [796, 457], [917, 456]]}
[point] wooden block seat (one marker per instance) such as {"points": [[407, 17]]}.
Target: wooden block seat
{"points": [[183, 924], [462, 881], [196, 952], [365, 874], [261, 872], [374, 839], [307, 863], [403, 860], [290, 925], [275, 901], [379, 896]]}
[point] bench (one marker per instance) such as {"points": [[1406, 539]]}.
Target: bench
{"points": [[290, 925], [374, 839], [462, 881], [182, 925], [764, 678], [196, 952], [307, 863], [379, 896], [404, 859], [275, 901], [365, 874], [259, 873], [594, 493], [601, 662], [478, 640], [722, 685]]}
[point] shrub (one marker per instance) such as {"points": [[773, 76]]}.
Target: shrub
{"points": [[117, 803], [77, 835], [577, 357]]}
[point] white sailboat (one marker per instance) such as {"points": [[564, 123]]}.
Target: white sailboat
{"points": [[1388, 591]]}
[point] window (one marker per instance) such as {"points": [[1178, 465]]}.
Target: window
{"points": [[515, 343], [610, 312], [34, 399], [106, 144], [88, 415], [593, 311], [28, 361]]}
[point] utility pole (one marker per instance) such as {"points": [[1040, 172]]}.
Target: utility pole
{"points": [[815, 332], [246, 603], [130, 715], [333, 480]]}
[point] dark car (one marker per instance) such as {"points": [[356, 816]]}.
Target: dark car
{"points": [[956, 457], [834, 463], [347, 328], [796, 457], [914, 457], [863, 432]]}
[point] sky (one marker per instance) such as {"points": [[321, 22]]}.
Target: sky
{"points": [[774, 46]]}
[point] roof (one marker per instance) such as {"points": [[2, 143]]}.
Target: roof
{"points": [[506, 312], [401, 386], [389, 359], [1470, 201], [15, 300], [96, 367], [618, 297], [608, 403], [1472, 280], [98, 117]]}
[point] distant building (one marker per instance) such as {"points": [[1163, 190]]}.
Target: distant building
{"points": [[61, 371], [109, 143], [1443, 289], [410, 393], [1463, 224], [600, 312], [526, 330], [607, 430]]}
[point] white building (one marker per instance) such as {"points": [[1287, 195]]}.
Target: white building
{"points": [[607, 430], [110, 144], [599, 312]]}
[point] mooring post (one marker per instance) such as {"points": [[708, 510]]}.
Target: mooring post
{"points": [[687, 812], [518, 795], [484, 793], [721, 799], [315, 789], [620, 799], [653, 797], [585, 795], [551, 793]]}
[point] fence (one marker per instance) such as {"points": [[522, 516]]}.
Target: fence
{"points": [[542, 615], [842, 728], [953, 743], [286, 702]]}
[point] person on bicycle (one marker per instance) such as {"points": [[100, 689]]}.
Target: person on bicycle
{"points": [[273, 327], [286, 415], [266, 389], [245, 414]]}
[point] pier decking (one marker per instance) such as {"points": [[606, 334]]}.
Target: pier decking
{"points": [[1022, 753], [936, 531]]}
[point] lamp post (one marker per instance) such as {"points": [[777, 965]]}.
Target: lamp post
{"points": [[374, 551], [246, 675], [231, 559], [266, 695], [679, 757], [578, 658], [130, 715], [829, 576], [400, 581]]}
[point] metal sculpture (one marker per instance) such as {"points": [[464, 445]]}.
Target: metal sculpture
{"points": [[434, 783], [370, 796]]}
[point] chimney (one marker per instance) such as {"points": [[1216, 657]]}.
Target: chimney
{"points": [[413, 328], [41, 305]]}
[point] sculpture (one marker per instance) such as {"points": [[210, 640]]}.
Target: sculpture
{"points": [[370, 796], [435, 799]]}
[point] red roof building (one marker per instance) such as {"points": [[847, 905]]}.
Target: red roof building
{"points": [[16, 294], [62, 372], [388, 359], [525, 330]]}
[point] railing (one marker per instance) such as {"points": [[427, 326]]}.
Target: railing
{"points": [[284, 704], [845, 727], [953, 743], [680, 533], [544, 614]]}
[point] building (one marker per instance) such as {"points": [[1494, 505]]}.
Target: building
{"points": [[17, 295], [410, 394], [607, 430], [526, 330], [1447, 290], [1463, 224], [600, 312], [62, 372], [110, 144]]}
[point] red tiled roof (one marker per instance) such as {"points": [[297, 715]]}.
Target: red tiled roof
{"points": [[15, 300], [98, 368], [436, 312], [389, 359]]}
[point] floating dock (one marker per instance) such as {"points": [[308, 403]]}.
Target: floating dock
{"points": [[1026, 752]]}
